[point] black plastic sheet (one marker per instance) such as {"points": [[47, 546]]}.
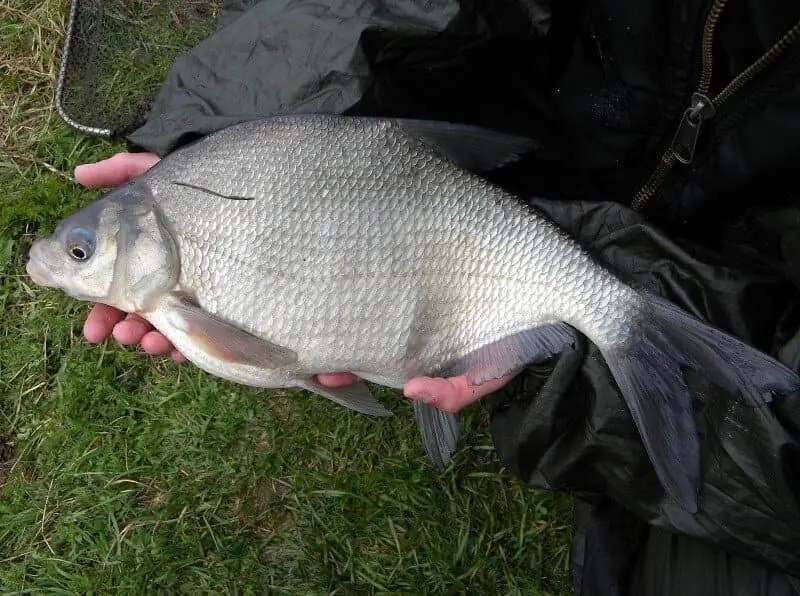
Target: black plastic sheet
{"points": [[563, 425]]}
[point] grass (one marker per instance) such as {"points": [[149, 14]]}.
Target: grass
{"points": [[125, 474]]}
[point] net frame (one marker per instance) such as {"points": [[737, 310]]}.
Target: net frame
{"points": [[82, 15]]}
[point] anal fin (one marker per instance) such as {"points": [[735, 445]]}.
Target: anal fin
{"points": [[513, 352], [440, 430]]}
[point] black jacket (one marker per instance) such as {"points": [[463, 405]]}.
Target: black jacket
{"points": [[604, 85]]}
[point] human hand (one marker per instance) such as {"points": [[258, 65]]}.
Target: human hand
{"points": [[447, 394]]}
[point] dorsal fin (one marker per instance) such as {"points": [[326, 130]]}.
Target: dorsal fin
{"points": [[471, 147]]}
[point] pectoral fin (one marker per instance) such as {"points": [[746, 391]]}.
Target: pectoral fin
{"points": [[356, 397], [223, 340]]}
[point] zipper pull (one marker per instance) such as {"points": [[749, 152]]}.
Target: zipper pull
{"points": [[685, 139]]}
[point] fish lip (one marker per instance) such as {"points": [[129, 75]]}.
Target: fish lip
{"points": [[37, 273]]}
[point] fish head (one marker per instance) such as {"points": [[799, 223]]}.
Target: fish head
{"points": [[117, 250]]}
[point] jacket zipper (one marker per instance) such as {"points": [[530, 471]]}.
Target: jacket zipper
{"points": [[701, 107]]}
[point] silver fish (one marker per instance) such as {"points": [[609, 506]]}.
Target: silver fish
{"points": [[277, 249]]}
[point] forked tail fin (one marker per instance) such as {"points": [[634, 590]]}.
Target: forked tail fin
{"points": [[649, 372]]}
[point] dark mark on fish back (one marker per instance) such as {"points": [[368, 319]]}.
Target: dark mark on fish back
{"points": [[211, 192]]}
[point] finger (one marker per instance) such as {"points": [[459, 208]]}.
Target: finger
{"points": [[154, 342], [131, 330], [177, 356], [339, 379], [115, 170], [100, 322], [451, 394]]}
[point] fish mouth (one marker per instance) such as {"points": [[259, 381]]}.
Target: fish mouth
{"points": [[38, 273], [36, 270]]}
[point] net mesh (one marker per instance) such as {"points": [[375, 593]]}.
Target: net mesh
{"points": [[116, 53]]}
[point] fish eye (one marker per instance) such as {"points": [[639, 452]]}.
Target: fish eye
{"points": [[79, 253], [80, 244]]}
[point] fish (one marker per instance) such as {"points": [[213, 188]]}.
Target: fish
{"points": [[276, 249]]}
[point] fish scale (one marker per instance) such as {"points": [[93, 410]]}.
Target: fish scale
{"points": [[274, 250]]}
